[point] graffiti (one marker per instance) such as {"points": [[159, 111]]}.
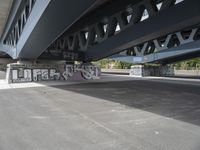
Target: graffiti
{"points": [[27, 75], [88, 72], [166, 71], [54, 75], [23, 73], [40, 74], [69, 72], [142, 70]]}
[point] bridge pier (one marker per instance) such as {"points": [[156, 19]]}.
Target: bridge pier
{"points": [[143, 70], [24, 71]]}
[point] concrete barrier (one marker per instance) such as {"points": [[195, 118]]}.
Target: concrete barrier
{"points": [[187, 72], [18, 72], [116, 71], [195, 73]]}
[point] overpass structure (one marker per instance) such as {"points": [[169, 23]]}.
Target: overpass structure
{"points": [[136, 31]]}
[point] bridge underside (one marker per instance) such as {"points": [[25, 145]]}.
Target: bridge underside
{"points": [[159, 58], [161, 31], [4, 12], [33, 24], [175, 47]]}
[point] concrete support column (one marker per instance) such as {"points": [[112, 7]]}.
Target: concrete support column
{"points": [[167, 70], [143, 71], [24, 71], [137, 71]]}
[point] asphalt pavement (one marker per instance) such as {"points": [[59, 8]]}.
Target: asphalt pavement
{"points": [[114, 113]]}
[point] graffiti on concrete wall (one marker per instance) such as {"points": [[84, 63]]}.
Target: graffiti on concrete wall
{"points": [[88, 72], [28, 75], [20, 73]]}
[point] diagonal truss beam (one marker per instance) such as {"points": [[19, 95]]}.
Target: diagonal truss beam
{"points": [[167, 21], [57, 17], [172, 40], [11, 51], [183, 52], [41, 22]]}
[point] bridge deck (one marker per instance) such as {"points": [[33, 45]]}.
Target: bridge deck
{"points": [[4, 12]]}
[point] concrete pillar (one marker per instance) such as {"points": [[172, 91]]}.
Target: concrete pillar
{"points": [[144, 70], [24, 71], [137, 71], [166, 70]]}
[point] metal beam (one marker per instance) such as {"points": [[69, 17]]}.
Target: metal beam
{"points": [[8, 49], [167, 21], [48, 20], [174, 53], [5, 6], [12, 17]]}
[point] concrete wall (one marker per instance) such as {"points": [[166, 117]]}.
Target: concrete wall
{"points": [[187, 72], [17, 73], [176, 72], [117, 71]]}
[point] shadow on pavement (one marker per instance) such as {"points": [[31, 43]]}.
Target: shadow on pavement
{"points": [[177, 101]]}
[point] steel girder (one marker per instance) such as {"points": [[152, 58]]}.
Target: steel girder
{"points": [[144, 26], [169, 41], [176, 45], [14, 13], [8, 49], [16, 26], [183, 52], [46, 21], [22, 11], [134, 25], [178, 17]]}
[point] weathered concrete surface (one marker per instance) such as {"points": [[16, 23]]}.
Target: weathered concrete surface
{"points": [[2, 75], [182, 73], [116, 71], [125, 114], [4, 11], [187, 72]]}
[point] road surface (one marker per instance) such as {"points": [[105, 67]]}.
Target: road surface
{"points": [[115, 113]]}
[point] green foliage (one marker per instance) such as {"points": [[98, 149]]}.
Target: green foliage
{"points": [[192, 64], [114, 64]]}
